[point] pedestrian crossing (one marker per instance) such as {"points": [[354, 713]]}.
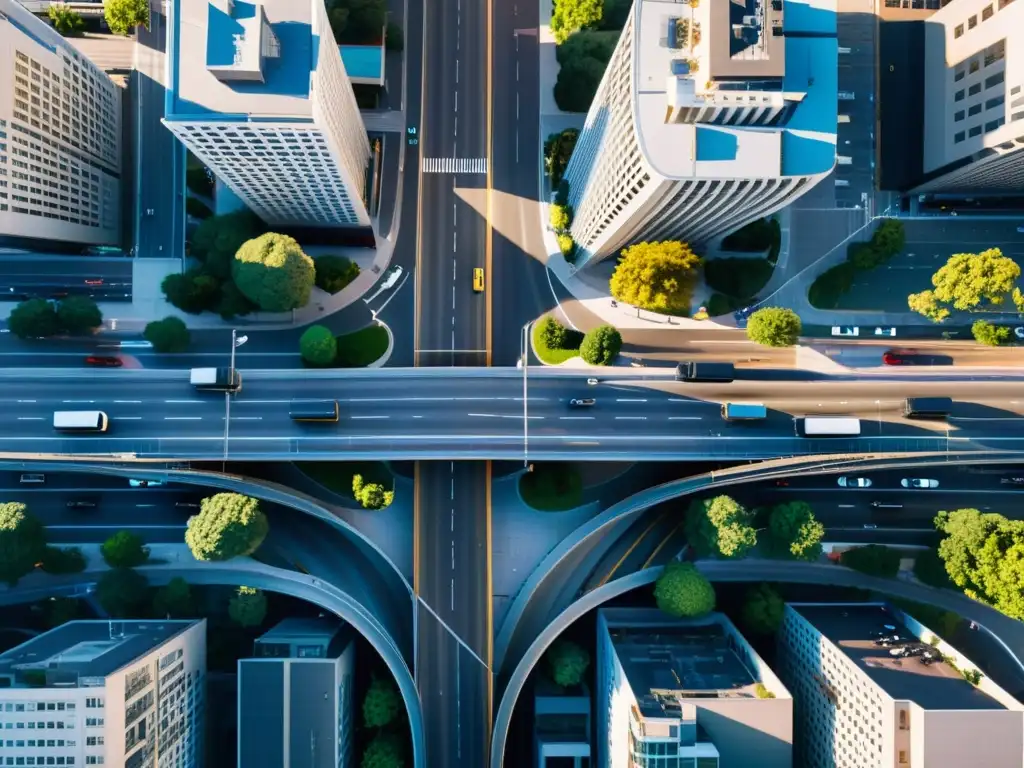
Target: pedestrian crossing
{"points": [[455, 165]]}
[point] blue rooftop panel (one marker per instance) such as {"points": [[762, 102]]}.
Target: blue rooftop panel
{"points": [[804, 18], [220, 34], [811, 66], [803, 155], [364, 61], [715, 145], [289, 73]]}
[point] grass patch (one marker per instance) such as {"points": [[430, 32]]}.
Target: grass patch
{"points": [[552, 487], [337, 475], [550, 356], [360, 349]]}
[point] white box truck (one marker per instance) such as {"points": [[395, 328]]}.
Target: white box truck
{"points": [[222, 379]]}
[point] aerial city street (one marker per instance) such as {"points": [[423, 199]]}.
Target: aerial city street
{"points": [[478, 384]]}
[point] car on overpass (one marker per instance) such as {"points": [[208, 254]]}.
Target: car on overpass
{"points": [[854, 482], [919, 482]]}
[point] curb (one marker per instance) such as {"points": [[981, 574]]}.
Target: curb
{"points": [[382, 360]]}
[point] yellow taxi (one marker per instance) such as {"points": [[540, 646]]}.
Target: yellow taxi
{"points": [[478, 279]]}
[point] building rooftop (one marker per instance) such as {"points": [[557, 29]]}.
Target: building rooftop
{"points": [[83, 653], [760, 53], [243, 58], [853, 629], [298, 637], [664, 664]]}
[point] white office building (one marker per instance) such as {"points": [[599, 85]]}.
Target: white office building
{"points": [[708, 117], [863, 701], [60, 136], [129, 694], [686, 694], [295, 697], [974, 98], [259, 93]]}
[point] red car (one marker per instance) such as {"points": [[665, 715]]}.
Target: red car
{"points": [[897, 357], [94, 281], [104, 362]]}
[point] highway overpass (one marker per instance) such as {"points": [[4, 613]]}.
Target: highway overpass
{"points": [[481, 414]]}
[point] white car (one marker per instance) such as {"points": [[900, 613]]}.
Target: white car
{"points": [[393, 276], [885, 332], [136, 344], [1019, 332], [854, 482], [845, 330], [144, 483], [918, 482]]}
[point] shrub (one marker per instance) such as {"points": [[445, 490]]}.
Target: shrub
{"points": [[334, 272], [318, 346], [122, 592], [873, 559], [59, 560], [582, 60], [22, 541], [67, 22], [34, 319], [567, 246], [831, 285], [394, 38], [755, 237], [989, 335], [248, 607], [562, 193], [561, 217], [228, 525], [174, 600], [167, 335], [273, 272], [124, 550], [601, 345], [381, 704], [123, 16], [774, 327], [656, 276], [371, 495], [199, 180], [196, 208], [192, 291], [79, 314], [553, 333], [682, 591], [218, 238], [567, 663], [232, 303], [762, 692], [930, 570], [558, 149]]}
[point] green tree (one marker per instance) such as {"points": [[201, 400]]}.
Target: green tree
{"points": [[553, 333], [720, 526], [582, 60], [561, 217], [228, 525], [122, 592], [22, 541], [334, 272], [929, 569], [382, 703], [874, 560], [61, 610], [34, 319], [248, 607], [232, 303], [831, 285], [218, 238], [681, 590], [657, 276], [601, 345], [371, 495], [192, 291], [968, 282], [889, 238], [174, 600], [357, 22], [168, 335], [79, 314], [794, 531], [569, 16], [558, 149], [762, 609], [567, 663], [123, 16], [272, 272], [67, 22], [774, 327], [124, 550], [384, 751], [318, 346], [567, 247], [58, 560], [989, 335]]}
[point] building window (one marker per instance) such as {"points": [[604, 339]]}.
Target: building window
{"points": [[993, 80], [959, 74], [974, 110], [974, 66], [975, 131], [959, 95], [986, 12], [972, 22], [974, 90], [994, 125], [960, 136], [958, 116], [958, 32], [995, 102]]}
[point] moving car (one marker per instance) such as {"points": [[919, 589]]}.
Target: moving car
{"points": [[854, 482], [869, 526], [885, 331], [845, 330], [187, 504], [391, 277], [478, 279], [916, 482], [582, 402], [144, 483], [1012, 481], [897, 357], [104, 361], [94, 281], [81, 504]]}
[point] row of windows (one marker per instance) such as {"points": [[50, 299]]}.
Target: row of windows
{"points": [[986, 13], [38, 706]]}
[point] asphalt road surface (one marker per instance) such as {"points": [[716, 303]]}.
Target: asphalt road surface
{"points": [[54, 277], [480, 415]]}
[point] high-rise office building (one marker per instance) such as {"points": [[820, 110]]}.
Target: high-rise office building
{"points": [[129, 694], [60, 137], [869, 693], [295, 697], [709, 116], [686, 694], [974, 98], [259, 93]]}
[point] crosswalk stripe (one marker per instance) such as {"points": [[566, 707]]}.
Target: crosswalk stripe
{"points": [[454, 165]]}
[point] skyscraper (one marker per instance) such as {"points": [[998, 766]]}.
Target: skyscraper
{"points": [[259, 93], [709, 116], [60, 137]]}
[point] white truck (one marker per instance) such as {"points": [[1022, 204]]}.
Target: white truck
{"points": [[222, 379]]}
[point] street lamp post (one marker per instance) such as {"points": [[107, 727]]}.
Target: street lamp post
{"points": [[236, 342], [526, 414]]}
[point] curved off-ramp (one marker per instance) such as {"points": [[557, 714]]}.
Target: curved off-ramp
{"points": [[254, 574], [1007, 632]]}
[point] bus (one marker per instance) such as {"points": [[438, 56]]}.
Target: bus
{"points": [[743, 411], [313, 410], [80, 421], [830, 426]]}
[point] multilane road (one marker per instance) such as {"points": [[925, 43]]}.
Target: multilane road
{"points": [[479, 414]]}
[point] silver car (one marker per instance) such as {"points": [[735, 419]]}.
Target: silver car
{"points": [[854, 482], [918, 482]]}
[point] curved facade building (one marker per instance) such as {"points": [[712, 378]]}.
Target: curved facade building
{"points": [[707, 118]]}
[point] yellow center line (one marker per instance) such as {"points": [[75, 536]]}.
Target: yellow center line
{"points": [[629, 551], [658, 549], [489, 235]]}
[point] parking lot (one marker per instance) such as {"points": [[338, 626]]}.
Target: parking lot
{"points": [[929, 244]]}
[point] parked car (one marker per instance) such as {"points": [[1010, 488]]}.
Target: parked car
{"points": [[144, 483], [917, 482], [582, 402], [885, 331], [104, 361], [854, 482], [845, 330]]}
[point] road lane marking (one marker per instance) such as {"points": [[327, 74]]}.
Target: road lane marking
{"points": [[517, 417], [686, 418], [128, 402], [26, 401], [630, 399], [245, 418], [183, 418], [846, 506], [574, 418], [690, 401], [115, 527], [631, 418], [83, 402], [128, 418], [184, 402], [145, 505], [369, 417], [30, 418]]}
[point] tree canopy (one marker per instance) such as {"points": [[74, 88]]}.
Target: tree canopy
{"points": [[970, 282], [228, 525], [79, 314], [720, 526], [569, 16], [124, 550], [248, 607], [318, 345], [794, 531], [192, 291], [371, 495], [558, 149], [774, 327], [123, 16], [582, 60], [273, 272], [657, 276], [601, 345], [34, 319], [217, 239], [567, 662], [682, 591], [334, 272], [67, 22], [382, 703], [22, 541], [168, 335], [357, 22], [989, 335], [122, 592], [384, 751], [560, 217], [874, 560], [762, 610], [174, 599]]}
